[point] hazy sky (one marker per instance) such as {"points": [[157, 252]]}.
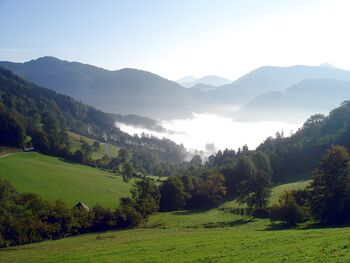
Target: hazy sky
{"points": [[175, 38]]}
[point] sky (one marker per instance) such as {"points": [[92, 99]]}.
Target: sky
{"points": [[176, 38]]}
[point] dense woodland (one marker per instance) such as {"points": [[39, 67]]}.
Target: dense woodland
{"points": [[31, 116]]}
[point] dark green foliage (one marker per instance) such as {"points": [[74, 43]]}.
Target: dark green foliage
{"points": [[173, 196], [236, 171], [127, 216], [288, 210], [41, 142], [145, 195], [330, 187], [295, 156], [127, 171], [103, 218], [209, 190], [11, 131], [255, 190]]}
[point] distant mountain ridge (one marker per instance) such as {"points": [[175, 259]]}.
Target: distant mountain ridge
{"points": [[212, 80], [297, 102], [270, 78], [131, 91], [125, 91]]}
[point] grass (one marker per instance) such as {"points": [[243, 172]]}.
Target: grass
{"points": [[214, 235], [76, 140], [54, 178]]}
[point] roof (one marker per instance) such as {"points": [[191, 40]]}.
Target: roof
{"points": [[81, 205]]}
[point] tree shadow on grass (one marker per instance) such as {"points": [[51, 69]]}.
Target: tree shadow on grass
{"points": [[234, 223], [275, 226], [190, 212], [67, 161]]}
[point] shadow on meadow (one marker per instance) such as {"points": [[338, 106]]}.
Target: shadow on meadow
{"points": [[234, 223], [276, 226]]}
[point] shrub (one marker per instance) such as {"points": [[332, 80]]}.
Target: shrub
{"points": [[288, 210]]}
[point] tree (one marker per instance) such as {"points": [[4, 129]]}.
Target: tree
{"points": [[11, 131], [288, 210], [40, 142], [172, 194], [239, 172], [127, 171], [145, 195], [86, 149], [209, 190], [262, 162], [196, 160], [330, 187], [255, 190], [123, 156]]}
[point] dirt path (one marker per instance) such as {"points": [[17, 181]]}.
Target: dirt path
{"points": [[8, 154]]}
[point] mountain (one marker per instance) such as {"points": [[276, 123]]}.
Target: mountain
{"points": [[267, 78], [211, 80], [297, 102], [125, 91], [39, 110]]}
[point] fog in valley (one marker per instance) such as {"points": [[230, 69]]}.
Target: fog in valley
{"points": [[203, 129]]}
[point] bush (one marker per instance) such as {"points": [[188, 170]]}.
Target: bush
{"points": [[127, 216], [288, 210], [172, 194]]}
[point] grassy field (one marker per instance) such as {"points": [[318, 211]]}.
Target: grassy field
{"points": [[215, 235], [76, 140], [54, 178]]}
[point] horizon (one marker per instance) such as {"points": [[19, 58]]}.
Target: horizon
{"points": [[324, 64], [179, 38]]}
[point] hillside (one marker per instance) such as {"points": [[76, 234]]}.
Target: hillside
{"points": [[296, 156], [297, 102], [55, 178], [40, 111], [125, 91], [77, 140], [215, 235]]}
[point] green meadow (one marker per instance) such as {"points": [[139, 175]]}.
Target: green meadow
{"points": [[214, 235], [55, 178]]}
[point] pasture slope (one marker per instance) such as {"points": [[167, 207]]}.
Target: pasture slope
{"points": [[76, 140], [55, 178], [215, 235]]}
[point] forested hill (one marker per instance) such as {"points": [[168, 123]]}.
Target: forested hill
{"points": [[297, 155], [125, 91], [34, 111]]}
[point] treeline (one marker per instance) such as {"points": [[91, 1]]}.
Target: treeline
{"points": [[296, 156], [327, 198], [26, 218]]}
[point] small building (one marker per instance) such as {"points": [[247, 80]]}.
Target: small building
{"points": [[81, 205]]}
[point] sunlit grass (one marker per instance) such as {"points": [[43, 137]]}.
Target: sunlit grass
{"points": [[55, 178]]}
